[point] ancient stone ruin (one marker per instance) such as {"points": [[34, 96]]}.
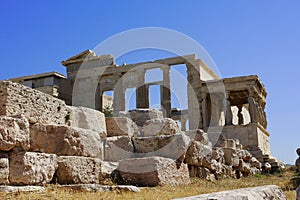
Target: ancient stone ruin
{"points": [[63, 137]]}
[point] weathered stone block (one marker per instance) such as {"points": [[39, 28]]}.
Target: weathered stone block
{"points": [[255, 163], [118, 126], [153, 171], [198, 154], [168, 146], [244, 154], [4, 170], [198, 135], [77, 170], [160, 126], [37, 106], [201, 172], [141, 116], [243, 167], [65, 141], [14, 132], [231, 158], [87, 118], [29, 168], [118, 148], [218, 154]]}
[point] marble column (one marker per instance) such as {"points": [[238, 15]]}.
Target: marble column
{"points": [[166, 92], [142, 92]]}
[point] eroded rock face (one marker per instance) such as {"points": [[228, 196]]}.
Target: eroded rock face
{"points": [[119, 126], [77, 170], [167, 146], [198, 154], [153, 171], [37, 106], [141, 116], [14, 132], [65, 141], [4, 170], [231, 157], [30, 168], [159, 126], [198, 135], [87, 118], [255, 193], [118, 148]]}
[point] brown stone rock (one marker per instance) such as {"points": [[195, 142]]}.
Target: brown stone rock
{"points": [[4, 171], [167, 146], [198, 135], [118, 148], [65, 141], [14, 132], [160, 126], [77, 170], [153, 171], [231, 157], [37, 106], [255, 163], [244, 154], [243, 167], [141, 116], [87, 118], [29, 168], [119, 126], [198, 154], [218, 154]]}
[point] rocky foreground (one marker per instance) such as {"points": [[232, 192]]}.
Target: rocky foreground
{"points": [[44, 141]]}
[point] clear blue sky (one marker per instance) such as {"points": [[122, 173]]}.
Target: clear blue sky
{"points": [[243, 38]]}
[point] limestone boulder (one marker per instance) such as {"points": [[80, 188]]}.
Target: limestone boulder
{"points": [[167, 146], [198, 135], [201, 172], [198, 154], [141, 116], [231, 157], [118, 148], [263, 192], [30, 168], [38, 107], [14, 132], [87, 118], [107, 168], [65, 141], [243, 167], [218, 154], [78, 170], [119, 126], [159, 126], [4, 170], [255, 163], [244, 154], [153, 171]]}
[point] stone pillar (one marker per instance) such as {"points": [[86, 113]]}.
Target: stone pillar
{"points": [[165, 92], [252, 106], [142, 92], [194, 95], [183, 124], [228, 111], [240, 115], [119, 100], [204, 111], [215, 109]]}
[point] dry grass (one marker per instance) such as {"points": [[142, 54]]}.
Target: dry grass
{"points": [[197, 187]]}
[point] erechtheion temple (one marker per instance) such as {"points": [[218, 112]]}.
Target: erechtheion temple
{"points": [[223, 131]]}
